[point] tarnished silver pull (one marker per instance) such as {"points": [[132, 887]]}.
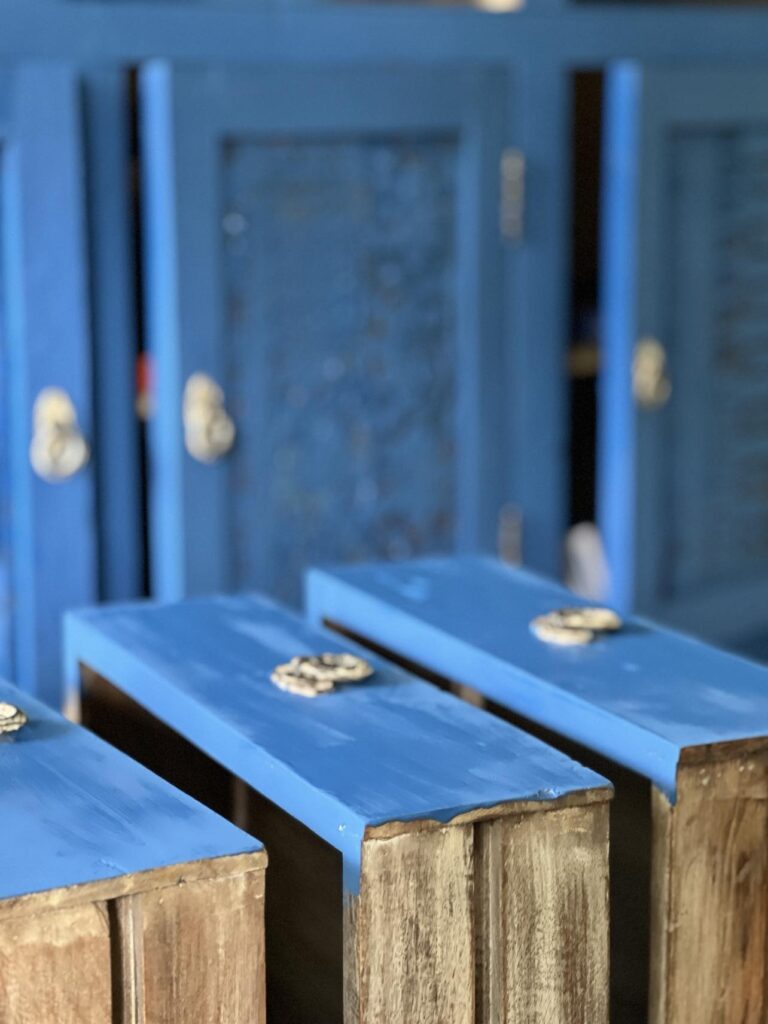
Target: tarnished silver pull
{"points": [[209, 431], [58, 449], [650, 384], [11, 718], [309, 675], [575, 627]]}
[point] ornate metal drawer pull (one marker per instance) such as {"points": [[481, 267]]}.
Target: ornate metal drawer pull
{"points": [[58, 449], [11, 718], [310, 675], [209, 431], [650, 384], [574, 627]]}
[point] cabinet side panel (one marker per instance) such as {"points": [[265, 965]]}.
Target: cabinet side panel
{"points": [[543, 924], [413, 931], [55, 967], [204, 952], [711, 876]]}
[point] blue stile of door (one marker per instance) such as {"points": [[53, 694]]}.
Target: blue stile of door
{"points": [[536, 343], [325, 245], [682, 486], [48, 550], [6, 608]]}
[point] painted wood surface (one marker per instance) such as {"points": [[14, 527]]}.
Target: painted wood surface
{"points": [[400, 778], [681, 504], [336, 267], [639, 696], [388, 750], [48, 532], [76, 811], [583, 34]]}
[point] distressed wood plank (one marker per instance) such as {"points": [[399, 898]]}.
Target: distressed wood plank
{"points": [[56, 968], [710, 913], [126, 935], [32, 903], [203, 952], [553, 893], [410, 952]]}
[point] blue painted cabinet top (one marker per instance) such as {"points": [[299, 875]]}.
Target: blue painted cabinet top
{"points": [[639, 696], [47, 530], [76, 811], [684, 461], [388, 749], [324, 243]]}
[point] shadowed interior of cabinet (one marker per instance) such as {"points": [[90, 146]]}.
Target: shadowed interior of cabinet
{"points": [[630, 845], [304, 878]]}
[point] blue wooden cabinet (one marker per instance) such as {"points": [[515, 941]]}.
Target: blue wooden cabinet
{"points": [[679, 726], [323, 245], [683, 425], [434, 814], [47, 523], [120, 897]]}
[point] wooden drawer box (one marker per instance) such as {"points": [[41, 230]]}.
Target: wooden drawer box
{"points": [[473, 856], [656, 710], [122, 900]]}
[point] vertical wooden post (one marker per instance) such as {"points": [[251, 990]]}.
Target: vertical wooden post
{"points": [[709, 916]]}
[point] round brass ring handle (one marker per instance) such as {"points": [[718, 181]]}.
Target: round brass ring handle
{"points": [[651, 385], [58, 449], [209, 431]]}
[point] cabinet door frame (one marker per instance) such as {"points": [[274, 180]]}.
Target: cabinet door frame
{"points": [[52, 532], [186, 114], [645, 105]]}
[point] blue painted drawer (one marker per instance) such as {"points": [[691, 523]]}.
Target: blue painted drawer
{"points": [[452, 834], [682, 724], [120, 897]]}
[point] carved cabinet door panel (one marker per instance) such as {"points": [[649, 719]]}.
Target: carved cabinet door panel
{"points": [[324, 297], [47, 514], [684, 404]]}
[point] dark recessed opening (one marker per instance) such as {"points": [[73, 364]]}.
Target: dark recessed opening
{"points": [[584, 352]]}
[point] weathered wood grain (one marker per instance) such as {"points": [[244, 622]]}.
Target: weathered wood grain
{"points": [[55, 967], [501, 921], [410, 954], [203, 949], [188, 949], [710, 909], [542, 904]]}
